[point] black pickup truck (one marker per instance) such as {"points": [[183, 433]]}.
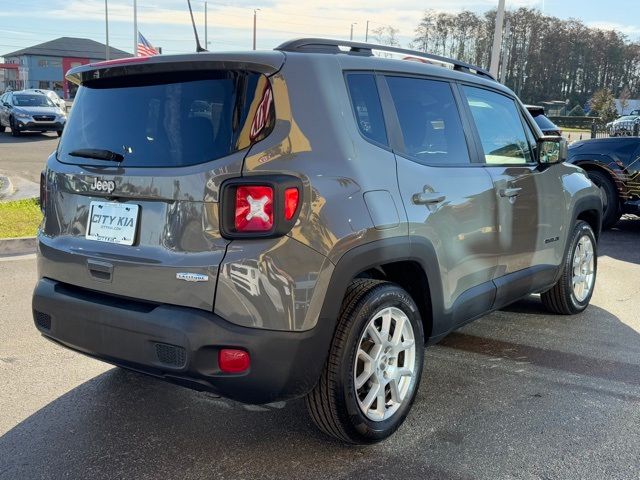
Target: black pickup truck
{"points": [[613, 164]]}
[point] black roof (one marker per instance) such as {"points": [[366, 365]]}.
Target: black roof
{"points": [[71, 47]]}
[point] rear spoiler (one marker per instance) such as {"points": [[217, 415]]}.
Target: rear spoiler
{"points": [[266, 63]]}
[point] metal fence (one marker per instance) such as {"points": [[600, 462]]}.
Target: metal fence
{"points": [[593, 127]]}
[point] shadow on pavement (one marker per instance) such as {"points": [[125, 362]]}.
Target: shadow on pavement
{"points": [[26, 137], [622, 241], [125, 425]]}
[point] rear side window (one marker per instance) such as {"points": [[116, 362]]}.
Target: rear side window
{"points": [[168, 120], [429, 120], [499, 126], [366, 106]]}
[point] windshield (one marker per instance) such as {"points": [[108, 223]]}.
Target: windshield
{"points": [[32, 101], [163, 120]]}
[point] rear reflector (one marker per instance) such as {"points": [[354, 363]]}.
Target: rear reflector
{"points": [[254, 208], [231, 360], [291, 196], [43, 191]]}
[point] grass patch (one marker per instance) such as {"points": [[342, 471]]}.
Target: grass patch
{"points": [[20, 218], [577, 130]]}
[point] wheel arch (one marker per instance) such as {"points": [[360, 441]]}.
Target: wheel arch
{"points": [[410, 262], [589, 209], [590, 165]]}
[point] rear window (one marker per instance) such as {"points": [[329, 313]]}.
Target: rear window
{"points": [[544, 123], [169, 120]]}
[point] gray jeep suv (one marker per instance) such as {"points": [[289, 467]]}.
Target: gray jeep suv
{"points": [[302, 222]]}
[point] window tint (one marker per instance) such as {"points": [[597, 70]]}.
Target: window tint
{"points": [[499, 125], [429, 120], [163, 121], [366, 106]]}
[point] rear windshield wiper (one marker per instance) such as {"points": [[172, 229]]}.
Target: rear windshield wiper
{"points": [[98, 154]]}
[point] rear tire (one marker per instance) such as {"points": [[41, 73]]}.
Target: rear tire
{"points": [[611, 202], [572, 293], [386, 362], [2, 128]]}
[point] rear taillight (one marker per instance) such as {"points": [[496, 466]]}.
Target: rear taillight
{"points": [[291, 196], [259, 206], [43, 190], [254, 208]]}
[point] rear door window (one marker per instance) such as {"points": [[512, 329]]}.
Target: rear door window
{"points": [[366, 106], [429, 120], [168, 120]]}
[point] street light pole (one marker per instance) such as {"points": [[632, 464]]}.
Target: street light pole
{"points": [[366, 33], [497, 40], [135, 28], [255, 11], [206, 41], [106, 25], [351, 36]]}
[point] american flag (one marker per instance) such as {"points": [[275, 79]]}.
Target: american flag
{"points": [[145, 49]]}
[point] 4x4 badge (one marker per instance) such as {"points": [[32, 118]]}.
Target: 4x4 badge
{"points": [[103, 185]]}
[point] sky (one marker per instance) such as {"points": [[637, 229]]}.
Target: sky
{"points": [[166, 23]]}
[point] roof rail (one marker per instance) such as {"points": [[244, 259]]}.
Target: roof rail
{"points": [[324, 45]]}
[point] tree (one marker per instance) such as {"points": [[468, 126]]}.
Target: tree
{"points": [[548, 58], [625, 95], [386, 35], [604, 103]]}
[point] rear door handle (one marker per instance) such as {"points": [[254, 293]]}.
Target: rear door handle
{"points": [[428, 198], [510, 192]]}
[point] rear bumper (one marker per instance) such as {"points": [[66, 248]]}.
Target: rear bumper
{"points": [[181, 344]]}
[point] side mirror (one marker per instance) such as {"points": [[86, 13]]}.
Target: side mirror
{"points": [[552, 149]]}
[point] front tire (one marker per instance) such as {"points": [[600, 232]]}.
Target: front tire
{"points": [[15, 131], [59, 132], [611, 211], [572, 293], [374, 367]]}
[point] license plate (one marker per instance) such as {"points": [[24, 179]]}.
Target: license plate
{"points": [[113, 222]]}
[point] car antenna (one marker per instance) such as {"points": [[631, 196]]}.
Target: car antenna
{"points": [[195, 32]]}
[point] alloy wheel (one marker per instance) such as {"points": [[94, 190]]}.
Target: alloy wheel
{"points": [[385, 364], [583, 268]]}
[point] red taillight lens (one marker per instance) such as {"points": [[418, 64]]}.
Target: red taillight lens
{"points": [[291, 197], [254, 208], [231, 360]]}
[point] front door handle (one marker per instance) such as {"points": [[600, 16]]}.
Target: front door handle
{"points": [[510, 192], [428, 198]]}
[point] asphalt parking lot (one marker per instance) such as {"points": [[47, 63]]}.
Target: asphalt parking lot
{"points": [[25, 156], [518, 394]]}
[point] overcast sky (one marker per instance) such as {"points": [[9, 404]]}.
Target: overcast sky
{"points": [[166, 22]]}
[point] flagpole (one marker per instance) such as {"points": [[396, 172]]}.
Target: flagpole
{"points": [[135, 28], [106, 24]]}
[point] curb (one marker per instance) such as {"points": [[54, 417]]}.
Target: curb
{"points": [[7, 187], [18, 246]]}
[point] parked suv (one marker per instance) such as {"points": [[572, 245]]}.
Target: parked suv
{"points": [[302, 222], [613, 165], [23, 111]]}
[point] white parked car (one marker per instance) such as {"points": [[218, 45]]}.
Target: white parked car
{"points": [[53, 96]]}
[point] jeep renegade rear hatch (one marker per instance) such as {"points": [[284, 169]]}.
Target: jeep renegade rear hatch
{"points": [[131, 194]]}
